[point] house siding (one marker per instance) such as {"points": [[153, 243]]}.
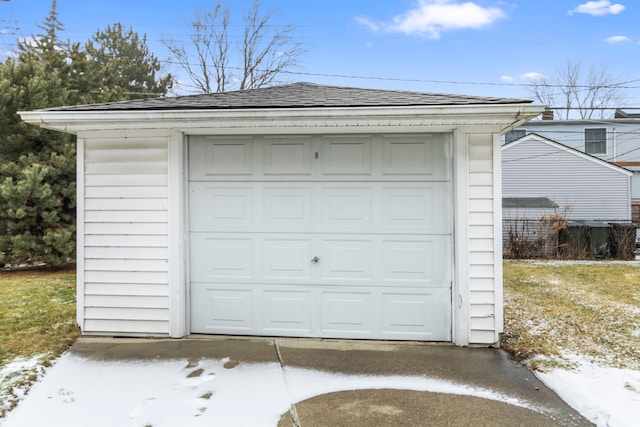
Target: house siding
{"points": [[582, 188], [622, 138], [124, 262], [483, 328]]}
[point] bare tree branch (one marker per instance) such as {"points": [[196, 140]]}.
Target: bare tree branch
{"points": [[572, 93], [206, 65], [265, 50]]}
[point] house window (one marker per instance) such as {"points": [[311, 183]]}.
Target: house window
{"points": [[595, 141], [512, 135]]}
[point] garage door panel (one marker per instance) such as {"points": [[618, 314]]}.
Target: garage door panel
{"points": [[329, 312], [287, 311], [219, 258], [216, 309], [287, 156], [419, 261], [427, 156], [343, 259], [211, 157], [287, 259], [286, 208], [220, 207], [411, 313], [346, 208], [346, 313], [346, 155], [415, 207]]}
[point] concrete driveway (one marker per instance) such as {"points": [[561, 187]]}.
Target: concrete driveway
{"points": [[382, 383], [474, 367]]}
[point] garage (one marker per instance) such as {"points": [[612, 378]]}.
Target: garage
{"points": [[300, 210], [342, 236]]}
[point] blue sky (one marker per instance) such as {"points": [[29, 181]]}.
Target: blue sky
{"points": [[474, 47]]}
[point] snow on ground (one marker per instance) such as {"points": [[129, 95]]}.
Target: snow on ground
{"points": [[606, 396], [81, 392], [13, 379]]}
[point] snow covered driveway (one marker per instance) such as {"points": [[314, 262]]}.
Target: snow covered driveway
{"points": [[251, 388]]}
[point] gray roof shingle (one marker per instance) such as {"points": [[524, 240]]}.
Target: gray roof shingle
{"points": [[295, 95]]}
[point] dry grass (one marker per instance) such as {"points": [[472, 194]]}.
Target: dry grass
{"points": [[37, 320], [552, 309], [557, 309]]}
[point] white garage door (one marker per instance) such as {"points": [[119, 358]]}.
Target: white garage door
{"points": [[311, 236]]}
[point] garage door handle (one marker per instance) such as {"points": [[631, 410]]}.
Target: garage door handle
{"points": [[315, 259]]}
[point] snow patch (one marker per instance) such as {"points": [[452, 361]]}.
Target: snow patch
{"points": [[17, 366], [606, 396], [14, 379]]}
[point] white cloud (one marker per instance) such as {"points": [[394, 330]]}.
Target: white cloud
{"points": [[431, 17], [369, 23], [533, 76], [618, 39], [598, 8], [506, 79]]}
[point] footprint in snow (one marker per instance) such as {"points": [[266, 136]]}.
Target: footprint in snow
{"points": [[66, 395]]}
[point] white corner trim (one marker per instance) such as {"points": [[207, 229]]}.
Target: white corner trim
{"points": [[177, 285], [460, 288], [80, 238], [497, 236]]}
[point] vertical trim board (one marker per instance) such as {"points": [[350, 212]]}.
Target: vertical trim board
{"points": [[497, 236], [80, 236], [177, 236], [460, 291]]}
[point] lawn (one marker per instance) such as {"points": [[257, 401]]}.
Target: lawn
{"points": [[37, 324], [555, 310]]}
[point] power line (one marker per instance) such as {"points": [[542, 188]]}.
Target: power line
{"points": [[413, 80]]}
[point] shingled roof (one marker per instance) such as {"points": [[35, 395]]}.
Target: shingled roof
{"points": [[295, 95]]}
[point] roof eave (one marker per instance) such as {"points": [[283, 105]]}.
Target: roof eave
{"points": [[505, 116]]}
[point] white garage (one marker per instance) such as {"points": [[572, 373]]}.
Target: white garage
{"points": [[296, 210]]}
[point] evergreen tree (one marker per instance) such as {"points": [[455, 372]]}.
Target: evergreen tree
{"points": [[37, 171], [122, 67], [37, 166]]}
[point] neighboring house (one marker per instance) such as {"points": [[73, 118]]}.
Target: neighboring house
{"points": [[582, 187], [615, 140], [296, 210]]}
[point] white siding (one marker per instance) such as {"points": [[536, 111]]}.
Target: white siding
{"points": [[622, 137], [483, 283], [126, 244], [582, 187]]}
